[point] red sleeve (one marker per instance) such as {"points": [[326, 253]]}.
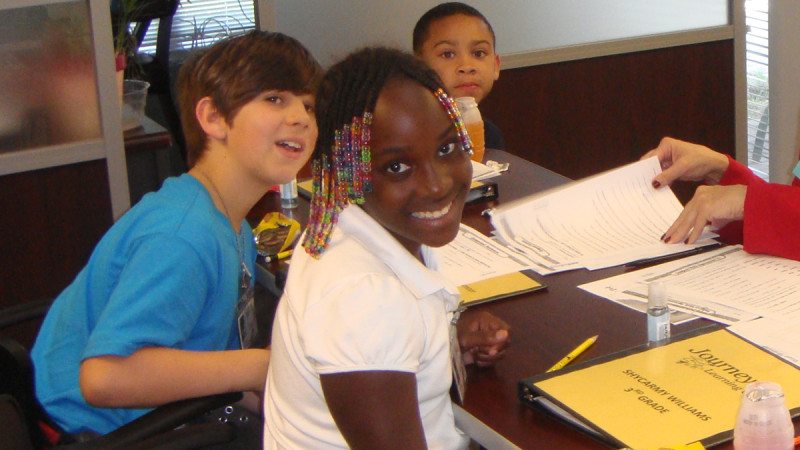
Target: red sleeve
{"points": [[772, 220], [771, 214], [738, 173]]}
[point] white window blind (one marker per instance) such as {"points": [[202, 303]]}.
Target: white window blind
{"points": [[757, 55], [199, 23]]}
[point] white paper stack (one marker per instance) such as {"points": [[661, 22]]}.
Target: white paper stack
{"points": [[609, 219]]}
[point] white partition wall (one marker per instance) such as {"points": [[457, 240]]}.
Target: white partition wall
{"points": [[331, 28]]}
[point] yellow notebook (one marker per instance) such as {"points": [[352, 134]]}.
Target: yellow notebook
{"points": [[497, 288], [686, 391]]}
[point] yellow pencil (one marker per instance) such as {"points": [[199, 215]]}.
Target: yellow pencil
{"points": [[282, 255], [573, 354]]}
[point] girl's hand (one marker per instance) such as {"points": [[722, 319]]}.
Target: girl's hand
{"points": [[483, 337]]}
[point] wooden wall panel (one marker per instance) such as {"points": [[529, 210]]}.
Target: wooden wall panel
{"points": [[51, 220], [581, 117]]}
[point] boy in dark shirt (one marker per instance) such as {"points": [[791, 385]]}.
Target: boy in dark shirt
{"points": [[458, 42]]}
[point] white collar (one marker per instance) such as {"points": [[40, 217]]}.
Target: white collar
{"points": [[422, 280]]}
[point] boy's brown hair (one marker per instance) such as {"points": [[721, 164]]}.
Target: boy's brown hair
{"points": [[234, 71]]}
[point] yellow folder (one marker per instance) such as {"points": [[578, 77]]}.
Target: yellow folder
{"points": [[497, 288], [688, 390]]}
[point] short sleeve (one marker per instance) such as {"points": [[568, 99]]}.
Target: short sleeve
{"points": [[370, 323], [157, 300]]}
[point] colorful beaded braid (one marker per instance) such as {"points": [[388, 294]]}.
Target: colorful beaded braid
{"points": [[346, 175], [330, 194], [351, 159], [455, 116]]}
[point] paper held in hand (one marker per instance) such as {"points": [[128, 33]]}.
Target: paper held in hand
{"points": [[609, 219]]}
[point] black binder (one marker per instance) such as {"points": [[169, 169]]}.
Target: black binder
{"points": [[482, 191]]}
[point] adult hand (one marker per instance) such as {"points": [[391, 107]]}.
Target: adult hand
{"points": [[685, 161], [483, 337], [715, 205]]}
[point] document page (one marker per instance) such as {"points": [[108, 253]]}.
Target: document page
{"points": [[602, 221], [481, 171], [472, 257], [727, 285], [780, 338]]}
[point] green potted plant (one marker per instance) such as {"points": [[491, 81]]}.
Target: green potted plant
{"points": [[122, 14]]}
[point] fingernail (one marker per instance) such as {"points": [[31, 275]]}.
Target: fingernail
{"points": [[656, 184]]}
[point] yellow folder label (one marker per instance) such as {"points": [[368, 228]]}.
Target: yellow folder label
{"points": [[676, 394]]}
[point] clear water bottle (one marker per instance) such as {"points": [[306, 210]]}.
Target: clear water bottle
{"points": [[658, 326], [474, 124], [289, 198], [763, 422]]}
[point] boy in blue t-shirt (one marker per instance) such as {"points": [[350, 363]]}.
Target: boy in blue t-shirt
{"points": [[152, 317], [458, 42]]}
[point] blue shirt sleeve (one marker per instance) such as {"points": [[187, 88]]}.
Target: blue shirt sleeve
{"points": [[157, 301]]}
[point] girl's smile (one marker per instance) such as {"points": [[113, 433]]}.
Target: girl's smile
{"points": [[420, 172], [432, 215]]}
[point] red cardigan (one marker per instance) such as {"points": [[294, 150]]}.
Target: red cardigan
{"points": [[771, 214]]}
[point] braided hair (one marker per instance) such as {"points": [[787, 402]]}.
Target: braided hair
{"points": [[345, 101]]}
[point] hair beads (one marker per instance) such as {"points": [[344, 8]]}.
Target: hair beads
{"points": [[342, 165]]}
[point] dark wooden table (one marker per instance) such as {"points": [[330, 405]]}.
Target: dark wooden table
{"points": [[150, 136], [545, 326]]}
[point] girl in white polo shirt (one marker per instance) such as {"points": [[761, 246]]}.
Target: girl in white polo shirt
{"points": [[361, 345]]}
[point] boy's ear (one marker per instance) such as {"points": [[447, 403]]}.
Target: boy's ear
{"points": [[210, 119], [496, 66]]}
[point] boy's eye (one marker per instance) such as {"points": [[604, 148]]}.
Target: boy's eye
{"points": [[310, 107], [448, 54], [397, 167], [276, 99], [446, 149], [480, 53]]}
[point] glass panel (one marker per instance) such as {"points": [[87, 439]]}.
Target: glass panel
{"points": [[200, 23], [48, 92], [757, 45]]}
